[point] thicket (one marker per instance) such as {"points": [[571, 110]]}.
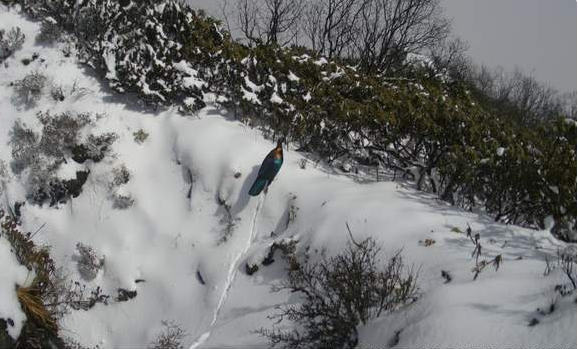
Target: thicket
{"points": [[446, 133]]}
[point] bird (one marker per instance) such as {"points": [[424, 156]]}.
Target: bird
{"points": [[268, 170]]}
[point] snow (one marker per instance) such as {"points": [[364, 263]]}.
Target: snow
{"points": [[12, 274], [252, 86], [276, 99], [175, 231], [68, 170], [321, 61], [250, 96], [292, 77]]}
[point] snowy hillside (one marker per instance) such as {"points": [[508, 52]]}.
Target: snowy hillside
{"points": [[189, 228]]}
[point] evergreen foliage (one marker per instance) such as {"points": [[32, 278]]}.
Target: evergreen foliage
{"points": [[448, 136]]}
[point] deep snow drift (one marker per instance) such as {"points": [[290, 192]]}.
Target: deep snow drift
{"points": [[193, 227]]}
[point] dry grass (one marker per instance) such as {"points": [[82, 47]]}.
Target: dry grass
{"points": [[32, 305]]}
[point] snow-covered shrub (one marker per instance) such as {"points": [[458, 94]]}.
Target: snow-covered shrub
{"points": [[121, 175], [171, 337], [61, 132], [29, 89], [50, 32], [95, 148], [88, 262], [338, 294], [121, 198], [154, 56], [38, 157], [10, 42]]}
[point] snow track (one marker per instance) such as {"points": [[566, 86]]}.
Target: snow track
{"points": [[232, 272]]}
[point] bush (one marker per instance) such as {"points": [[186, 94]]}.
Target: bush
{"points": [[340, 293], [171, 337], [88, 262], [50, 32], [140, 136], [29, 89], [10, 42], [122, 202], [39, 156]]}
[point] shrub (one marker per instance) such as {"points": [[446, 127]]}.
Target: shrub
{"points": [[339, 293], [122, 202], [50, 31], [171, 337], [88, 262], [29, 89], [140, 136], [39, 156], [11, 42]]}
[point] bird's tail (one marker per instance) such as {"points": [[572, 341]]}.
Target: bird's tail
{"points": [[258, 186]]}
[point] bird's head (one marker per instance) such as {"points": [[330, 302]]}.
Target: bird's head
{"points": [[280, 142]]}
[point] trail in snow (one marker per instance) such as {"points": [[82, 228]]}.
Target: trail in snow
{"points": [[231, 274]]}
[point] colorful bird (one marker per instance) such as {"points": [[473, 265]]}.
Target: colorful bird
{"points": [[268, 170]]}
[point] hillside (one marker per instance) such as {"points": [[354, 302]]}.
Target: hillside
{"points": [[178, 230]]}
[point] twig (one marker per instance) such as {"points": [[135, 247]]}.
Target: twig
{"points": [[37, 230]]}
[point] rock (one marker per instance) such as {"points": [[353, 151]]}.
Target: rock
{"points": [[251, 269]]}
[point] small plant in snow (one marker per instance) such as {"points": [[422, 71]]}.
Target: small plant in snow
{"points": [[88, 262], [57, 93], [120, 198], [122, 202], [481, 264], [566, 262], [61, 132], [29, 89], [140, 136], [228, 221], [171, 337], [303, 164], [3, 175]]}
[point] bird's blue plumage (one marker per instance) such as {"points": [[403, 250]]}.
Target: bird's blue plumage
{"points": [[268, 170]]}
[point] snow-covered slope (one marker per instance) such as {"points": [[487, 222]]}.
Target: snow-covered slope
{"points": [[191, 172]]}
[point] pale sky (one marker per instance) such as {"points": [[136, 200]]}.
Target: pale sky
{"points": [[538, 36]]}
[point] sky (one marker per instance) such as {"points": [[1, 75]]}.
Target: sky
{"points": [[538, 36]]}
